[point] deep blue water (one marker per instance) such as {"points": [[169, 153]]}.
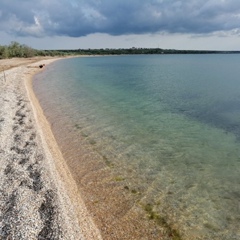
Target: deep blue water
{"points": [[172, 121]]}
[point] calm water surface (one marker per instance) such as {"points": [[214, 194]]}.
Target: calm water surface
{"points": [[168, 126]]}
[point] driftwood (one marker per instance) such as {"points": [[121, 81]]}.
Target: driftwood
{"points": [[42, 65]]}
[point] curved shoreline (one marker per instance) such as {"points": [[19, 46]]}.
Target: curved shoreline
{"points": [[68, 184], [56, 207]]}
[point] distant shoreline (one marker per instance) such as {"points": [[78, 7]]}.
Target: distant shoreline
{"points": [[135, 51]]}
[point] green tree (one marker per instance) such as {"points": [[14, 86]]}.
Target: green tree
{"points": [[4, 53], [28, 51], [14, 50]]}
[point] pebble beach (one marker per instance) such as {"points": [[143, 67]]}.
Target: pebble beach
{"points": [[38, 197]]}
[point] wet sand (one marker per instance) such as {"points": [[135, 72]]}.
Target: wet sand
{"points": [[38, 197]]}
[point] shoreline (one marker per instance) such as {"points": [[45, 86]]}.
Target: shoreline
{"points": [[118, 209], [54, 206]]}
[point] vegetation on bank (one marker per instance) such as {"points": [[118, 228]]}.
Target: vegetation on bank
{"points": [[16, 49], [133, 50]]}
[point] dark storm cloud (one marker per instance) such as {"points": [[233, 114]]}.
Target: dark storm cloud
{"points": [[116, 17]]}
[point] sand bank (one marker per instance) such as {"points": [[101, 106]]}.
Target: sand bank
{"points": [[38, 197]]}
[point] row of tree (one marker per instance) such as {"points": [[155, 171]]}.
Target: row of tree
{"points": [[130, 51], [16, 49]]}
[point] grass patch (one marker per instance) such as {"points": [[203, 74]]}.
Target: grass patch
{"points": [[77, 126], [84, 135], [211, 227], [134, 191], [92, 142], [119, 179], [107, 161], [152, 215]]}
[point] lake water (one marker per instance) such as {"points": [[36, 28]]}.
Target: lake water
{"points": [[151, 136]]}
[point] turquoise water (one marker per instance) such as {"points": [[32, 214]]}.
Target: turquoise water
{"points": [[169, 125]]}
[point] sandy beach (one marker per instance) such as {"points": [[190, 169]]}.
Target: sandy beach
{"points": [[38, 197]]}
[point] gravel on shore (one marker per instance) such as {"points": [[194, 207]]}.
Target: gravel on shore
{"points": [[38, 197]]}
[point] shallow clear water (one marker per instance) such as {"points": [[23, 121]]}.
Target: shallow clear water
{"points": [[169, 125]]}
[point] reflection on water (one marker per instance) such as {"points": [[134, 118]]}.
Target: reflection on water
{"points": [[167, 127]]}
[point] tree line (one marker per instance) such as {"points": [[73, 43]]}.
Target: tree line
{"points": [[16, 49]]}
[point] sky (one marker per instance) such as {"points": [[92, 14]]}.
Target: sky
{"points": [[167, 24]]}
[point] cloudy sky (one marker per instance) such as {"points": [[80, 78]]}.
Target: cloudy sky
{"points": [[71, 24]]}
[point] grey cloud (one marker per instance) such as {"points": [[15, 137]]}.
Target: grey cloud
{"points": [[116, 17]]}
